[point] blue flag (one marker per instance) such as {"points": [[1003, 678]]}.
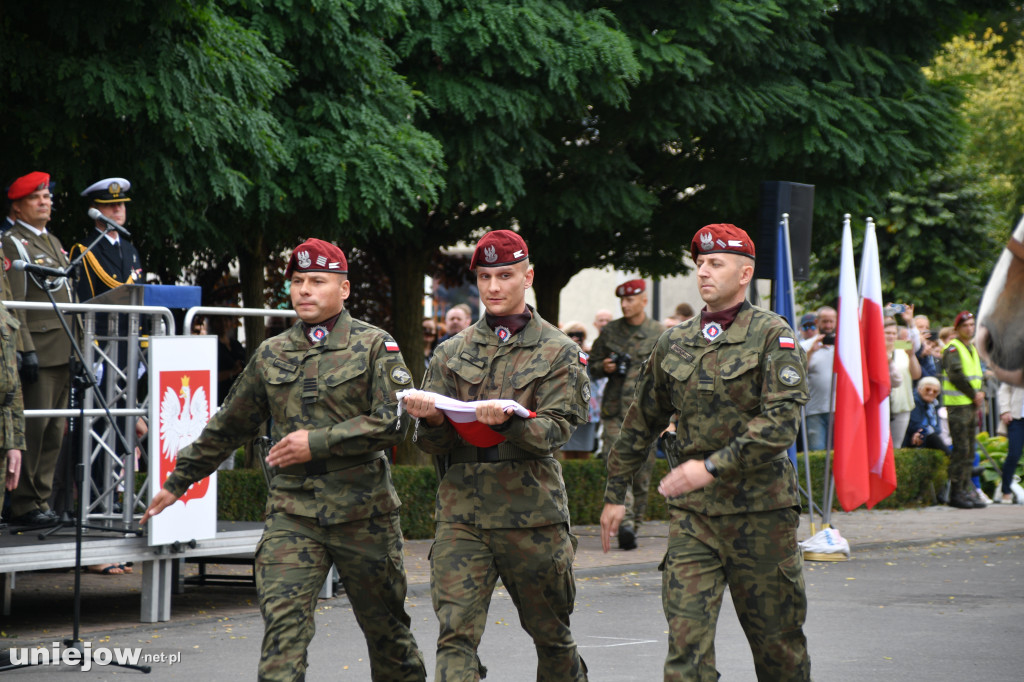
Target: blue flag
{"points": [[783, 302]]}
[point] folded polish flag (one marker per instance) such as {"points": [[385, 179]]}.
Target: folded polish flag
{"points": [[462, 416]]}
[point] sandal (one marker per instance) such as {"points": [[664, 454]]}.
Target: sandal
{"points": [[126, 568], [108, 569]]}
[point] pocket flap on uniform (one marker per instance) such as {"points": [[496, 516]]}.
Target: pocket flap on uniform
{"points": [[538, 368], [746, 362], [678, 369], [280, 372], [347, 372], [466, 370]]}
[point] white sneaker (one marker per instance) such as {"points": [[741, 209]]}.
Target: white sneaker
{"points": [[1016, 490], [997, 496], [983, 497]]}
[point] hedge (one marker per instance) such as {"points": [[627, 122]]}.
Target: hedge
{"points": [[242, 493]]}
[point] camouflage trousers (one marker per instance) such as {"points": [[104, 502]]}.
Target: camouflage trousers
{"points": [[535, 566], [963, 429], [636, 495], [757, 557], [293, 560]]}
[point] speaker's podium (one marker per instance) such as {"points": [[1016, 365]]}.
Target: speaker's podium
{"points": [[115, 347]]}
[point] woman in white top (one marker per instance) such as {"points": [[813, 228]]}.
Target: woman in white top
{"points": [[904, 370], [1011, 417]]}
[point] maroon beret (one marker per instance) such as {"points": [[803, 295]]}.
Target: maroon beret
{"points": [[27, 184], [316, 255], [962, 316], [630, 288], [497, 248], [721, 238]]}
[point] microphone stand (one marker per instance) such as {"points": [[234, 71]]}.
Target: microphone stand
{"points": [[67, 519]]}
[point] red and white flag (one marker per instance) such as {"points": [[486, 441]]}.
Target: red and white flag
{"points": [[850, 435], [881, 461]]}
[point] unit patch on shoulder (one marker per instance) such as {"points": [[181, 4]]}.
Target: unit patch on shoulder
{"points": [[585, 390], [401, 376], [789, 375]]}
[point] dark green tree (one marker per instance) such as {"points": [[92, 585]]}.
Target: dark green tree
{"points": [[731, 94], [937, 238]]}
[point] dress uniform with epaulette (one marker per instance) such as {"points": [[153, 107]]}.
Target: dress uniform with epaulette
{"points": [[736, 378], [335, 378], [44, 346], [113, 261]]}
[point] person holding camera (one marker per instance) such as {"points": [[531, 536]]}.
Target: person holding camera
{"points": [[618, 353], [821, 351]]}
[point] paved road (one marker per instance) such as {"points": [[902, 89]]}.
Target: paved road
{"points": [[950, 610]]}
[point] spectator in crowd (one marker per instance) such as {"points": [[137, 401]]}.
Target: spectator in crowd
{"points": [[820, 351], [429, 339], [45, 347], [684, 311], [924, 429], [601, 318], [458, 317], [584, 439], [1011, 418], [230, 353], [618, 354], [930, 354], [199, 326], [945, 336], [964, 396], [903, 371], [808, 326]]}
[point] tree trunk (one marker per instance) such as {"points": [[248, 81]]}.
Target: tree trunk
{"points": [[406, 268], [547, 287], [252, 280]]}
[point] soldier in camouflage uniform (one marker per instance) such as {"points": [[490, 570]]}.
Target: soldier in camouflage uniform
{"points": [[736, 378], [12, 407], [501, 510], [617, 354], [329, 386]]}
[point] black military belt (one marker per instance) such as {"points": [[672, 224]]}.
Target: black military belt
{"points": [[322, 466], [8, 399], [502, 452]]}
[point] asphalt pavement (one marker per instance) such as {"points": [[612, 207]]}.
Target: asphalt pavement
{"points": [[898, 578]]}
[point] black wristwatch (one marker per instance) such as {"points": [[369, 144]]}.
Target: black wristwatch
{"points": [[712, 469]]}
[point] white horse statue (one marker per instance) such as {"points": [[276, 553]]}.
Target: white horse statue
{"points": [[1000, 335]]}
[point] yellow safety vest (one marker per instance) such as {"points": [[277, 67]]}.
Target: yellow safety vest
{"points": [[971, 364]]}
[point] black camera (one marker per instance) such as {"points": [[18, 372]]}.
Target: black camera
{"points": [[622, 362], [829, 339]]}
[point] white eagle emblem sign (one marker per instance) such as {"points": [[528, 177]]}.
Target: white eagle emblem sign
{"points": [[706, 241], [490, 254], [303, 259]]}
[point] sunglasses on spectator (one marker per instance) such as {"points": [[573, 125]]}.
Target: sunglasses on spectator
{"points": [[810, 325]]}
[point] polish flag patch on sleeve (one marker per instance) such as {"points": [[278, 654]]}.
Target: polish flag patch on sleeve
{"points": [[391, 346], [583, 358], [786, 342]]}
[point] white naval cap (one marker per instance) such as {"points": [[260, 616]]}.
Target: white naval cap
{"points": [[108, 191]]}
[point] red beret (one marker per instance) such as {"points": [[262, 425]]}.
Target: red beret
{"points": [[497, 248], [962, 316], [630, 288], [721, 238], [316, 255], [27, 184]]}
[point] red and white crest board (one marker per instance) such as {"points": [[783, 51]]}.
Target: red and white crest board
{"points": [[182, 393]]}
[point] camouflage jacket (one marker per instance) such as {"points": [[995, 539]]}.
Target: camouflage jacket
{"points": [[738, 399], [619, 337], [12, 407], [343, 392], [543, 370]]}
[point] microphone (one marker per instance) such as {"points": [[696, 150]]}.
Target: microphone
{"points": [[95, 214], [38, 269]]}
